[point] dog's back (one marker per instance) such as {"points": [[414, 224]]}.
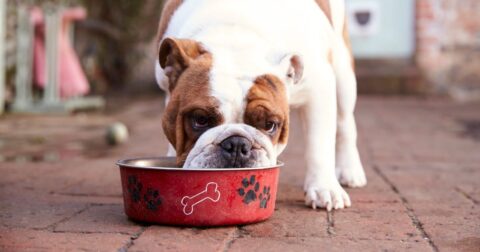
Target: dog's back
{"points": [[280, 24], [333, 10]]}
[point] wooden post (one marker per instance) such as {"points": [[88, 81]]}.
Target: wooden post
{"points": [[23, 80], [3, 26], [51, 101], [52, 31]]}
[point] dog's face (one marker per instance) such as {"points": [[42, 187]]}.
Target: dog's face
{"points": [[215, 119]]}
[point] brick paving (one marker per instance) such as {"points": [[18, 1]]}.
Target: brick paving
{"points": [[60, 189]]}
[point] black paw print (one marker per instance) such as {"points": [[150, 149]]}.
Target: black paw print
{"points": [[134, 188], [152, 199], [249, 189], [264, 197]]}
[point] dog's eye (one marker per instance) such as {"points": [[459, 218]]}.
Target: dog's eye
{"points": [[270, 127], [200, 122]]}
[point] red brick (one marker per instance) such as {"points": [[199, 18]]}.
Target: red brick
{"points": [[39, 240], [376, 191], [324, 244], [100, 178], [21, 208], [451, 227], [93, 200], [15, 172], [470, 190], [158, 238], [291, 219], [445, 213], [80, 177], [429, 183], [291, 193], [378, 221], [102, 219]]}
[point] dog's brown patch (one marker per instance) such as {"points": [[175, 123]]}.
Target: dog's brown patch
{"points": [[176, 55], [190, 99], [267, 101]]}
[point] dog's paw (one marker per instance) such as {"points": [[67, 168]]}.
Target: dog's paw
{"points": [[350, 171], [351, 174], [326, 195], [352, 177]]}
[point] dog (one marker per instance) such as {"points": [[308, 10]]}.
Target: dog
{"points": [[232, 69]]}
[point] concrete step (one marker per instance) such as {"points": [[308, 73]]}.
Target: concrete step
{"points": [[389, 77]]}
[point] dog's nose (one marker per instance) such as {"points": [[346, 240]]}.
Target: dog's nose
{"points": [[236, 150]]}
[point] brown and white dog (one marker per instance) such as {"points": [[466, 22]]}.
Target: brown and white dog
{"points": [[232, 68]]}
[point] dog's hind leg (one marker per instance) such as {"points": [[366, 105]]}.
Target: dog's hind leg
{"points": [[349, 168]]}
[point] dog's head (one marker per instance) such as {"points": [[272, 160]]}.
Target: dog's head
{"points": [[217, 118]]}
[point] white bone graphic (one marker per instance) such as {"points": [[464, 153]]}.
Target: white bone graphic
{"points": [[211, 192]]}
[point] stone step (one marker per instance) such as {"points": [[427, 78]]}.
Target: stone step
{"points": [[389, 77]]}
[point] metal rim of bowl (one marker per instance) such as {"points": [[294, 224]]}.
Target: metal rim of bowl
{"points": [[125, 163]]}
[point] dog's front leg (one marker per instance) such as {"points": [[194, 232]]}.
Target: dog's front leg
{"points": [[319, 115]]}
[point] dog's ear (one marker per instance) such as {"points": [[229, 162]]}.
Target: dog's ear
{"points": [[175, 55], [292, 67]]}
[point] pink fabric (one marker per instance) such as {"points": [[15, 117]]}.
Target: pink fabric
{"points": [[71, 80]]}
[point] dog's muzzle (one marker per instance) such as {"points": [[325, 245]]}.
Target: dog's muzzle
{"points": [[231, 146]]}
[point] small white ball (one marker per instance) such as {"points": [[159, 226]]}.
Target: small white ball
{"points": [[117, 133]]}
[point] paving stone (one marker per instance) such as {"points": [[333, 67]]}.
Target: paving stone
{"points": [[40, 240], [447, 216], [101, 219], [290, 219], [446, 155], [80, 177], [21, 208], [93, 200], [15, 173], [290, 193], [378, 221], [431, 184], [324, 244], [471, 191], [100, 178], [451, 226], [158, 238], [376, 191]]}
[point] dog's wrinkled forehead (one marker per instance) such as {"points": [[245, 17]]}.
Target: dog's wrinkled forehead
{"points": [[232, 76]]}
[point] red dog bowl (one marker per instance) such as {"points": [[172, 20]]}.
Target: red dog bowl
{"points": [[155, 192]]}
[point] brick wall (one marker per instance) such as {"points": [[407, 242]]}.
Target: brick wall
{"points": [[448, 46]]}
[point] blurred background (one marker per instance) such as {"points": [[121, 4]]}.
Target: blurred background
{"points": [[429, 47], [113, 42], [102, 63], [419, 47]]}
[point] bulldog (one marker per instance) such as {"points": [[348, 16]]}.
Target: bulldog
{"points": [[231, 70]]}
